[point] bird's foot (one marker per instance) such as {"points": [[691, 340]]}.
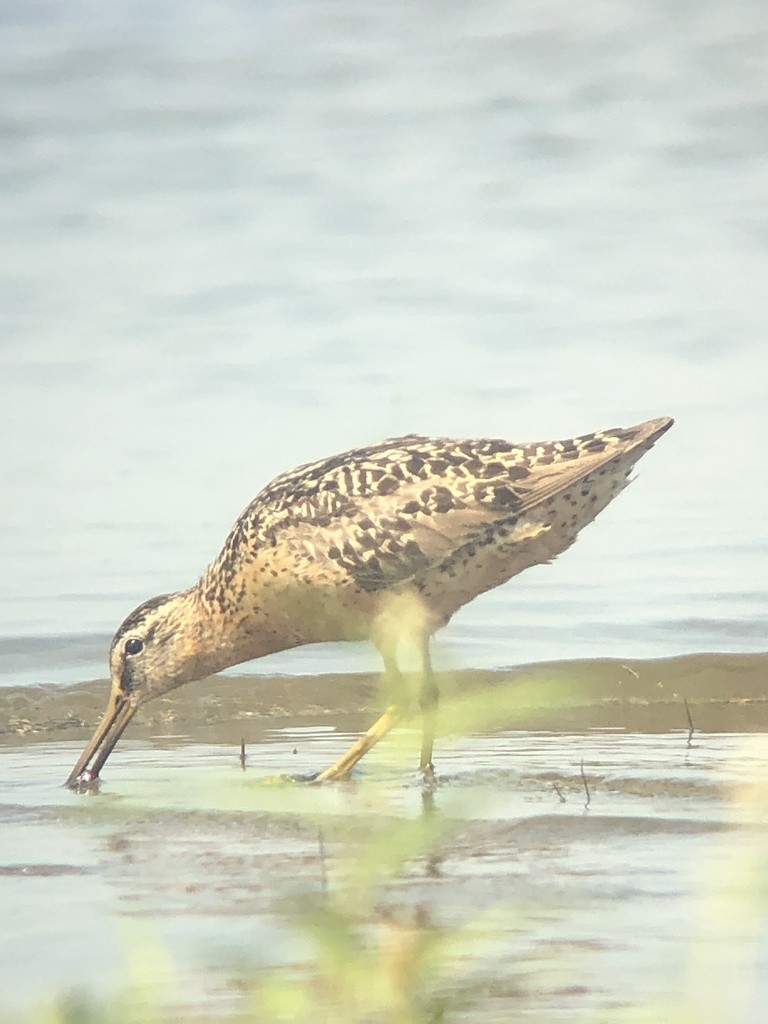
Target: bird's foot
{"points": [[310, 779], [333, 774], [283, 780]]}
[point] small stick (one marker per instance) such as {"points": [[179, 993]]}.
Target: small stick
{"points": [[323, 875], [242, 753], [690, 721], [586, 786], [559, 792]]}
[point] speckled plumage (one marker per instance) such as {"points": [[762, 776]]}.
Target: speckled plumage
{"points": [[383, 542], [440, 519]]}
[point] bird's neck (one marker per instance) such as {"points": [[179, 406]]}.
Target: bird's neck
{"points": [[223, 633]]}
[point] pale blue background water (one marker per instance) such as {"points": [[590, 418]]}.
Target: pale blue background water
{"points": [[236, 237]]}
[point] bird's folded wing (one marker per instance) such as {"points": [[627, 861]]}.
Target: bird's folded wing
{"points": [[387, 540]]}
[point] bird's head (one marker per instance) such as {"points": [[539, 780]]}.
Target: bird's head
{"points": [[162, 644]]}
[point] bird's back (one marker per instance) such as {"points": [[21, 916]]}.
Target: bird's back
{"points": [[438, 518]]}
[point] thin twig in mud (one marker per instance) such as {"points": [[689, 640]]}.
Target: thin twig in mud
{"points": [[242, 753], [559, 792], [631, 671], [690, 722], [323, 875], [586, 785]]}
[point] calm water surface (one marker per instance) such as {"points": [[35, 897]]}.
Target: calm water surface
{"points": [[643, 898], [236, 238]]}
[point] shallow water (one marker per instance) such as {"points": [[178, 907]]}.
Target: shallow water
{"points": [[569, 900], [239, 239], [592, 908]]}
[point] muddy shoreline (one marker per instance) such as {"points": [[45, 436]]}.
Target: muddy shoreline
{"points": [[725, 693]]}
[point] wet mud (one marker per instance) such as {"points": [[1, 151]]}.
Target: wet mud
{"points": [[729, 693]]}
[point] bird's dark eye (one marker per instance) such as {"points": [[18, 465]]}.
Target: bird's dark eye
{"points": [[134, 645]]}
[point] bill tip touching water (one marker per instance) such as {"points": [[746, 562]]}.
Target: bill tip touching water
{"points": [[381, 543]]}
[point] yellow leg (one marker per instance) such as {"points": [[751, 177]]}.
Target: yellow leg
{"points": [[430, 696], [427, 742], [341, 768]]}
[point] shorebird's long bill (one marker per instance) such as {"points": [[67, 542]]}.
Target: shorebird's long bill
{"points": [[109, 730]]}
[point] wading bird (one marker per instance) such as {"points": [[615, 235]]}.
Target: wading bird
{"points": [[382, 543]]}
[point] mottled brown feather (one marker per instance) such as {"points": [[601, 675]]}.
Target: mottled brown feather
{"points": [[383, 514]]}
